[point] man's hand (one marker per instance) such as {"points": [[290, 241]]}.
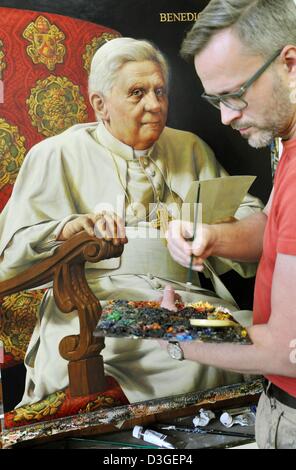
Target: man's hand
{"points": [[181, 246], [105, 225]]}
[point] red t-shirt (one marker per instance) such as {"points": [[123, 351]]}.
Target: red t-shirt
{"points": [[279, 237]]}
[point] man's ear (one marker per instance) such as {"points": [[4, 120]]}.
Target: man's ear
{"points": [[289, 57], [98, 103]]}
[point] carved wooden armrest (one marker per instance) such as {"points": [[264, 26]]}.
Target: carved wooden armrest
{"points": [[71, 292]]}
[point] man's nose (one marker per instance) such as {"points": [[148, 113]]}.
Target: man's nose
{"points": [[229, 115], [152, 102]]}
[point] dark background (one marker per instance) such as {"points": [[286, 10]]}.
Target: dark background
{"points": [[141, 19]]}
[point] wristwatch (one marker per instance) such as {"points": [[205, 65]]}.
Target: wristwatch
{"points": [[175, 351]]}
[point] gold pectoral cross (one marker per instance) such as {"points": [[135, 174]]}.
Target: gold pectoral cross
{"points": [[163, 218]]}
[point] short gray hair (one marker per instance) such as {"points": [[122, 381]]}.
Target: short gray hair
{"points": [[110, 57], [263, 26]]}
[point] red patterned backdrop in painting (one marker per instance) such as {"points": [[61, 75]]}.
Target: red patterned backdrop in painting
{"points": [[44, 63]]}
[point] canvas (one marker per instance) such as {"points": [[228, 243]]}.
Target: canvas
{"points": [[45, 52]]}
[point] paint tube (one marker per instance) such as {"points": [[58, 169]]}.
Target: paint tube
{"points": [[204, 418], [244, 419], [152, 437]]}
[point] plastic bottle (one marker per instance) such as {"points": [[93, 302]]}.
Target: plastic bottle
{"points": [[152, 437]]}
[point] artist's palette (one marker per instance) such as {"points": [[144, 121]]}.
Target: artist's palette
{"points": [[148, 320]]}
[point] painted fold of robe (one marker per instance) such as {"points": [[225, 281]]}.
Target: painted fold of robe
{"points": [[86, 169]]}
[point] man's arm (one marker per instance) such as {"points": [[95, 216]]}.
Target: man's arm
{"points": [[240, 240], [270, 353], [272, 342]]}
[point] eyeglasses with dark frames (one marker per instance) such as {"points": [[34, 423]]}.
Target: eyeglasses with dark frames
{"points": [[234, 100]]}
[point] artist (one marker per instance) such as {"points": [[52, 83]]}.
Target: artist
{"points": [[79, 180], [245, 55]]}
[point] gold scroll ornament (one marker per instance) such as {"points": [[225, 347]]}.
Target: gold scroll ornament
{"points": [[55, 104], [12, 152], [45, 47], [2, 60], [93, 46]]}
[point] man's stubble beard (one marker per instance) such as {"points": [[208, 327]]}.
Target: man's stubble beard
{"points": [[277, 112], [261, 139]]}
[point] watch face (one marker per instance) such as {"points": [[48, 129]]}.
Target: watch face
{"points": [[175, 350]]}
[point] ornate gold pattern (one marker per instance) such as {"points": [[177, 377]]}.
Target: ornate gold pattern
{"points": [[12, 151], [50, 405], [100, 402], [45, 41], [2, 61], [19, 313], [95, 44], [41, 409], [55, 104]]}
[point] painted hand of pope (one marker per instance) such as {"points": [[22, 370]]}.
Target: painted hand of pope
{"points": [[181, 247], [106, 225]]}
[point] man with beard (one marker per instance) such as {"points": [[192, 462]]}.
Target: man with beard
{"points": [[245, 55]]}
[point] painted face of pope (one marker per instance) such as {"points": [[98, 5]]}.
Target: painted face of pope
{"points": [[135, 109], [225, 64]]}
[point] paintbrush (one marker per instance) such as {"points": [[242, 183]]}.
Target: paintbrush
{"points": [[198, 430], [191, 239]]}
